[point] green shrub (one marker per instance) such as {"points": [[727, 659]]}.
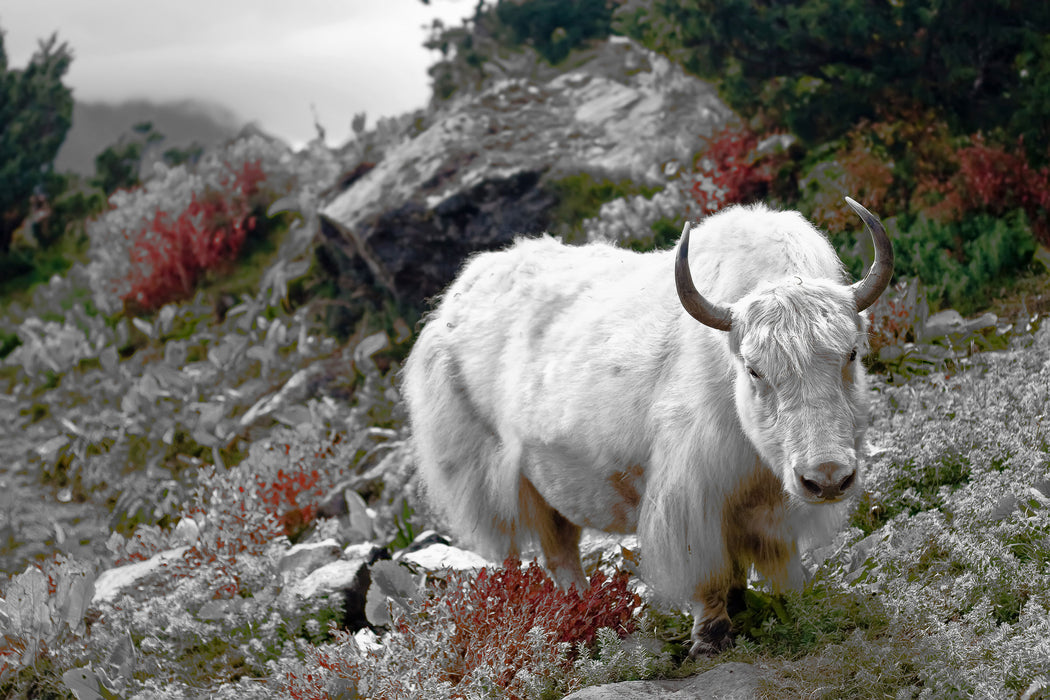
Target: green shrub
{"points": [[818, 67], [961, 264], [554, 27], [582, 195]]}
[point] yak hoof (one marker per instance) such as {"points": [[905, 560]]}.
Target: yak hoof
{"points": [[711, 638]]}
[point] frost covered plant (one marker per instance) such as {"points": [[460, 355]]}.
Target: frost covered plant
{"points": [[49, 345], [958, 511]]}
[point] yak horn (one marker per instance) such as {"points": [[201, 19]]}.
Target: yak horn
{"points": [[875, 282], [718, 317]]}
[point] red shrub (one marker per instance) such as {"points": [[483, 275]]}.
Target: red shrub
{"points": [[275, 491], [477, 632], [1001, 180], [169, 255], [730, 171], [284, 497], [892, 317], [494, 612], [995, 180]]}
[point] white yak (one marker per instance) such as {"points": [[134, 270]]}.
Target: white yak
{"points": [[560, 387]]}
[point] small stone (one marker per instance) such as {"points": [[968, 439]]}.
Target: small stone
{"points": [[441, 556], [424, 540], [118, 580], [369, 552], [335, 576], [308, 557]]}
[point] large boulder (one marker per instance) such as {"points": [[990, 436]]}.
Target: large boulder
{"points": [[478, 174]]}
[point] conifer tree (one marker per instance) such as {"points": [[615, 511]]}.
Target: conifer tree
{"points": [[36, 111]]}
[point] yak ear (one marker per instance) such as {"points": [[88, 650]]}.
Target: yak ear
{"points": [[708, 313]]}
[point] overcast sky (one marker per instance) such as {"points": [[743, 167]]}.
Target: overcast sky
{"points": [[267, 60]]}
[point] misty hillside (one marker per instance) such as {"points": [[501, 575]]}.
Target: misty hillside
{"points": [[97, 125]]}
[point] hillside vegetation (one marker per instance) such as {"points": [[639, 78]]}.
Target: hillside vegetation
{"points": [[190, 378]]}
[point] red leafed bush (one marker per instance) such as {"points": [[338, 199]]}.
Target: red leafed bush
{"points": [[294, 491], [274, 491], [1002, 180], [171, 253], [489, 632], [730, 171], [995, 180], [495, 611]]}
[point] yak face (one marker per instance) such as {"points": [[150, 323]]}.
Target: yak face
{"points": [[800, 387]]}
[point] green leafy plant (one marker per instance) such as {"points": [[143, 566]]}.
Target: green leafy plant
{"points": [[813, 68], [961, 263]]}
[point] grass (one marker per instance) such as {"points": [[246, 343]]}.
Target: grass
{"points": [[581, 196]]}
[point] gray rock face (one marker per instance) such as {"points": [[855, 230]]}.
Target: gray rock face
{"points": [[476, 177], [728, 681]]}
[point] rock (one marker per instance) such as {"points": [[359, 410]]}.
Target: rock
{"points": [[340, 575], [424, 540], [951, 323], [369, 552], [477, 175], [347, 580], [441, 556], [606, 548], [728, 681], [187, 531], [120, 579], [302, 559], [891, 353]]}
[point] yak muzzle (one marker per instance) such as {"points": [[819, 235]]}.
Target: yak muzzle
{"points": [[828, 481]]}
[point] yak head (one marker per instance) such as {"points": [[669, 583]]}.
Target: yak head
{"points": [[799, 387]]}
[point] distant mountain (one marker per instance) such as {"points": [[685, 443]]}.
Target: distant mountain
{"points": [[97, 125]]}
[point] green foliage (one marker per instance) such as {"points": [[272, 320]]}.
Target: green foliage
{"points": [[464, 51], [552, 27], [405, 531], [582, 195], [555, 27], [962, 264], [36, 111], [665, 234], [119, 166], [819, 67], [807, 622]]}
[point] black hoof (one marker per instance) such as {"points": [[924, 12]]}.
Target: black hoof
{"points": [[711, 638]]}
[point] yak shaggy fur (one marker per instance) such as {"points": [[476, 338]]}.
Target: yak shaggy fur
{"points": [[558, 387]]}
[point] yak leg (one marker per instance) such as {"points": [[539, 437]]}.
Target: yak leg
{"points": [[559, 539], [713, 605], [561, 549]]}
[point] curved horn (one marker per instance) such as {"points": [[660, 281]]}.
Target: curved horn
{"points": [[718, 317], [875, 282]]}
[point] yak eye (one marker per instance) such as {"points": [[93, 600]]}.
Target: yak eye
{"points": [[852, 356], [753, 372]]}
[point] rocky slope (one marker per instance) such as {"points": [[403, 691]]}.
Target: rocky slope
{"points": [[479, 173]]}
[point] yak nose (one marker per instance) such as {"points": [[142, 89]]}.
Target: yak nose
{"points": [[827, 481]]}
